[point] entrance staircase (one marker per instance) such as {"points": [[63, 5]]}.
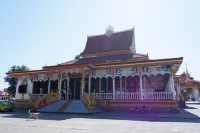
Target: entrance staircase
{"points": [[43, 101], [74, 106]]}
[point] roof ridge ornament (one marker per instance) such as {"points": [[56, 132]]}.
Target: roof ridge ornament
{"points": [[109, 31]]}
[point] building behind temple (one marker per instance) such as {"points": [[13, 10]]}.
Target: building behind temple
{"points": [[108, 75], [189, 87]]}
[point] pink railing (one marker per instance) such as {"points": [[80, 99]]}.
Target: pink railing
{"points": [[106, 96], [126, 95], [158, 95], [135, 96]]}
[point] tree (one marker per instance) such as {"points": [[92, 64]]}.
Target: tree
{"points": [[13, 81]]}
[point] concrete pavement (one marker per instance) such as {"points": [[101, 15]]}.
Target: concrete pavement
{"points": [[187, 121]]}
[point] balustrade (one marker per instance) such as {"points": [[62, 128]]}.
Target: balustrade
{"points": [[135, 96]]}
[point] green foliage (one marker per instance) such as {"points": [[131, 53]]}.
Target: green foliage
{"points": [[13, 81], [17, 68], [78, 56]]}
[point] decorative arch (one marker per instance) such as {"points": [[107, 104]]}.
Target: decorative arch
{"points": [[54, 86], [23, 87], [109, 84], [137, 83], [93, 84], [133, 83], [36, 87], [123, 83], [117, 83], [44, 86], [64, 84], [97, 84], [155, 82], [40, 87], [145, 82], [103, 84]]}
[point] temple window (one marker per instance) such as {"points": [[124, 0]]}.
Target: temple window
{"points": [[132, 83], [54, 85], [64, 84], [44, 87], [123, 83], [93, 81], [109, 85], [40, 87], [117, 83], [22, 89], [103, 84], [97, 85], [36, 87], [155, 82]]}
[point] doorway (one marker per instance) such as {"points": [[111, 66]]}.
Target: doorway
{"points": [[75, 87]]}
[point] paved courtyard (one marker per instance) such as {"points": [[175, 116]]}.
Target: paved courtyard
{"points": [[187, 121]]}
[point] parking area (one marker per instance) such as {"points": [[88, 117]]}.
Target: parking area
{"points": [[186, 121]]}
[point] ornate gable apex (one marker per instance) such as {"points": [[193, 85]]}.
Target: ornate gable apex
{"points": [[116, 43]]}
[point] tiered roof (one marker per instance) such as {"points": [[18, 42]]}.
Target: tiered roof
{"points": [[119, 46], [115, 49]]}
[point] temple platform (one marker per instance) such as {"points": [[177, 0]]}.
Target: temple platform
{"points": [[78, 106], [138, 106]]}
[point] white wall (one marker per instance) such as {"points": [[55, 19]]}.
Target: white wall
{"points": [[25, 96], [195, 93]]}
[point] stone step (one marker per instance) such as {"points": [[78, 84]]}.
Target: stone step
{"points": [[76, 106], [64, 106], [54, 107]]}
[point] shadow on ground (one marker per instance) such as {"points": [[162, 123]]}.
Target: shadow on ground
{"points": [[183, 116]]}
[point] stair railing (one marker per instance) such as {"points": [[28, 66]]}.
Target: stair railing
{"points": [[45, 100], [88, 102]]}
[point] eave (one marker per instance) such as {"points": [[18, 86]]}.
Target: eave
{"points": [[25, 73], [138, 63], [66, 66], [50, 70], [133, 63]]}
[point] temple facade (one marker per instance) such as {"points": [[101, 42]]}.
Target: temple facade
{"points": [[108, 73]]}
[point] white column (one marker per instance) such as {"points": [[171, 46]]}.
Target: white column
{"points": [[68, 80], [49, 86], [178, 90], [89, 85], [172, 87], [195, 93], [30, 87], [113, 79], [59, 86], [141, 86], [82, 83]]}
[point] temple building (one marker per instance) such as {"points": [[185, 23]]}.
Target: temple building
{"points": [[189, 87], [109, 74]]}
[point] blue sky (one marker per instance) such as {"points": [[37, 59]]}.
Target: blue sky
{"points": [[46, 32]]}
